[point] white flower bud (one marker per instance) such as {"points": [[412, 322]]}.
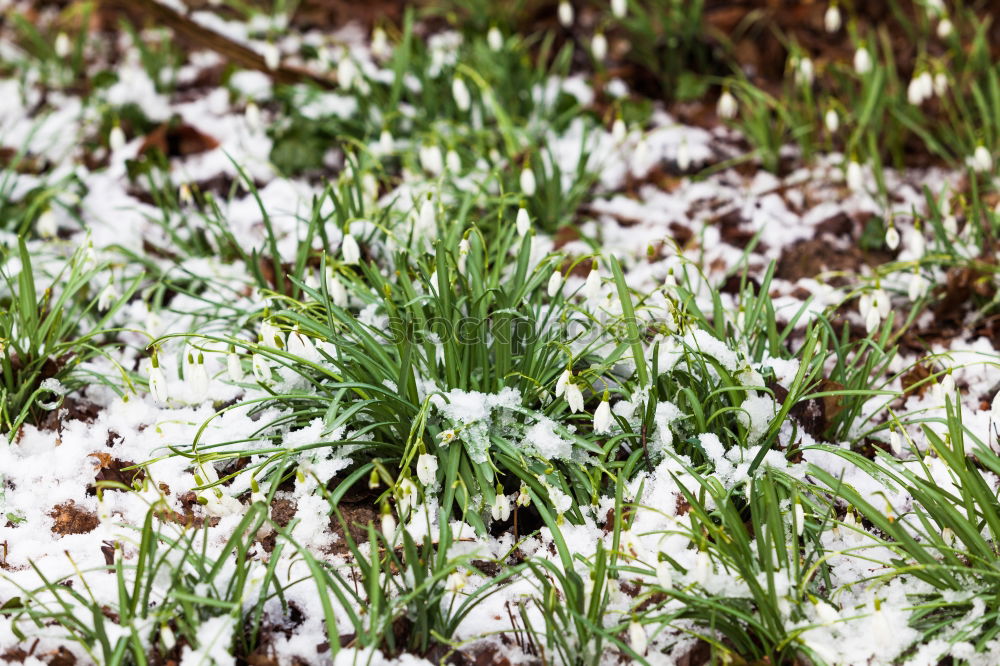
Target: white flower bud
{"points": [[494, 38], [347, 72], [896, 443], [261, 368], [602, 418], [234, 367], [272, 56], [252, 115], [945, 28], [116, 139], [826, 613], [599, 46], [63, 45], [452, 162], [917, 287], [456, 581], [619, 8], [46, 225], [683, 156], [862, 61], [386, 143], [555, 283], [940, 84], [349, 250], [563, 382], [726, 107], [523, 222], [574, 397], [157, 384], [618, 130], [195, 377], [855, 176], [565, 14], [831, 19], [380, 44], [664, 574], [528, 184], [892, 237], [460, 93], [637, 638], [805, 73], [832, 121], [982, 161]]}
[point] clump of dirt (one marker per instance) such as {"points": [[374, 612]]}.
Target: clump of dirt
{"points": [[72, 519], [113, 470]]}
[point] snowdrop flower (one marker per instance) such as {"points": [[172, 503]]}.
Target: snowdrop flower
{"points": [[950, 224], [699, 572], [406, 496], [574, 397], [431, 159], [805, 73], [501, 508], [116, 139], [196, 377], [592, 288], [565, 14], [233, 366], [915, 243], [618, 130], [915, 91], [347, 72], [800, 518], [948, 536], [940, 84], [167, 636], [380, 44], [523, 222], [855, 176], [494, 38], [945, 28], [874, 308], [184, 195], [528, 184], [46, 225], [637, 638], [683, 155], [664, 574], [299, 345], [270, 335], [157, 382], [599, 46], [386, 142], [917, 287], [862, 61], [447, 437], [460, 93], [892, 237], [981, 161], [63, 45], [895, 443], [349, 250], [272, 56], [252, 116], [107, 297], [826, 613], [602, 418], [555, 282], [388, 526], [463, 254], [619, 8], [452, 162], [426, 220], [831, 19], [947, 387], [726, 107], [523, 498], [261, 368], [456, 581], [832, 121], [563, 382]]}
